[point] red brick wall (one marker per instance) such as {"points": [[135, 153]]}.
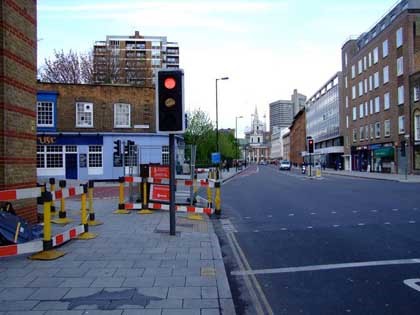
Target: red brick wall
{"points": [[17, 100], [298, 138]]}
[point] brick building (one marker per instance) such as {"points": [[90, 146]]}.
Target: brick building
{"points": [[413, 141], [298, 138], [18, 29], [376, 93], [78, 124]]}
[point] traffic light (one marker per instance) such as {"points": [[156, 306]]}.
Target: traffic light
{"points": [[130, 145], [170, 115], [311, 145], [117, 147]]}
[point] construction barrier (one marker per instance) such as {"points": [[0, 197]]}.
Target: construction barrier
{"points": [[52, 189], [165, 181], [159, 206], [44, 248], [92, 221]]}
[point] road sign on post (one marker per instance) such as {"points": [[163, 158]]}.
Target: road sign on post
{"points": [[170, 114]]}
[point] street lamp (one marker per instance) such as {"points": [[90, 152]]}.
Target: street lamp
{"points": [[236, 139], [217, 120]]}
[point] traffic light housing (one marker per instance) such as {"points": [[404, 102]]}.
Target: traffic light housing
{"points": [[170, 113], [311, 145], [117, 147], [130, 144]]}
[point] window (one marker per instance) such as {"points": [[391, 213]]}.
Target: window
{"points": [[416, 93], [360, 67], [367, 132], [347, 121], [401, 123], [400, 66], [371, 106], [165, 155], [362, 133], [417, 127], [366, 109], [122, 115], [54, 156], [71, 148], [377, 104], [399, 35], [40, 156], [376, 80], [360, 88], [45, 114], [366, 86], [372, 131], [345, 82], [345, 59], [401, 95], [384, 48], [370, 83], [353, 92], [375, 55], [377, 130], [386, 74], [364, 63], [354, 113], [387, 128], [386, 101], [347, 101], [84, 115], [370, 59], [354, 135], [353, 71], [95, 156], [361, 111]]}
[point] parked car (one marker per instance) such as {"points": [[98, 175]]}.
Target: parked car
{"points": [[285, 165]]}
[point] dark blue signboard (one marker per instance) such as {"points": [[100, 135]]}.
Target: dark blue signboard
{"points": [[69, 140], [215, 158]]}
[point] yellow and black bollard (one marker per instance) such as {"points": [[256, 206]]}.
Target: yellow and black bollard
{"points": [[209, 196], [121, 204], [144, 198], [86, 235], [62, 214], [52, 189], [92, 220], [48, 252], [217, 200]]}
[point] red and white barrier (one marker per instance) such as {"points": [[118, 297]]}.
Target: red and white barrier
{"points": [[19, 249], [67, 192], [68, 235], [18, 194], [159, 206], [165, 181]]}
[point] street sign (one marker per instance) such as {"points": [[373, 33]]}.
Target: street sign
{"points": [[159, 172], [215, 158], [159, 193]]}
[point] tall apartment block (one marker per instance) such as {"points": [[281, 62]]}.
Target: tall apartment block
{"points": [[133, 59], [376, 111], [283, 111]]}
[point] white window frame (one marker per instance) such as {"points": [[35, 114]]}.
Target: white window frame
{"points": [[361, 111], [416, 93], [400, 66], [95, 160], [417, 126], [401, 124], [386, 74], [370, 59], [43, 115], [354, 113], [377, 104], [401, 95], [120, 114], [361, 133], [345, 82], [353, 92], [347, 101], [376, 80], [165, 154], [370, 83], [347, 121], [354, 135], [387, 128], [372, 131], [375, 55], [81, 115], [366, 86], [367, 132], [360, 66], [385, 48], [387, 101], [366, 109], [360, 88], [353, 71], [371, 106], [399, 37], [365, 63]]}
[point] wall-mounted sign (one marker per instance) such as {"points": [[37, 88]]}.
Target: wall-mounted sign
{"points": [[83, 160], [117, 160], [46, 140]]}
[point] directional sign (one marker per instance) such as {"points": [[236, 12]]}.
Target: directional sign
{"points": [[215, 158]]}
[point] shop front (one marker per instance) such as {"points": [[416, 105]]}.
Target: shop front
{"points": [[416, 157], [377, 158]]}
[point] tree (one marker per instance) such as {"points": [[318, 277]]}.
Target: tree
{"points": [[62, 68]]}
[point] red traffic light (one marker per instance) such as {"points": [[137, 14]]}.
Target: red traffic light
{"points": [[169, 83]]}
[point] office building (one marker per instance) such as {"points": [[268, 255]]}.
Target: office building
{"points": [[282, 112]]}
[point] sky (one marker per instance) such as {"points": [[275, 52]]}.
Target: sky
{"points": [[266, 48]]}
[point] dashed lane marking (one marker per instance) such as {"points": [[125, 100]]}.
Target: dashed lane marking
{"points": [[360, 224], [313, 213], [395, 210], [327, 267], [336, 225], [291, 214], [355, 211], [387, 223], [412, 283], [412, 221], [374, 211]]}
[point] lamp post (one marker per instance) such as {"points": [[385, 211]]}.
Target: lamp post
{"points": [[217, 121], [236, 139]]}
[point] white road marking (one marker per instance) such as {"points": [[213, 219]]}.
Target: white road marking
{"points": [[247, 218], [394, 209], [336, 225], [283, 229], [412, 221], [412, 283], [373, 210], [256, 231], [309, 227], [313, 213], [269, 216], [333, 212], [387, 223], [327, 267], [355, 211], [415, 208], [291, 214], [360, 224]]}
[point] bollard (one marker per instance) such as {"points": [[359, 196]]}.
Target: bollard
{"points": [[121, 205], [209, 197], [62, 215], [144, 199], [92, 220], [86, 235], [48, 252], [39, 200], [217, 201], [52, 189]]}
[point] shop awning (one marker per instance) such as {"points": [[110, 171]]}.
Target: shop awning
{"points": [[384, 152]]}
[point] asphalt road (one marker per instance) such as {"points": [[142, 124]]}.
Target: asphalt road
{"points": [[335, 245]]}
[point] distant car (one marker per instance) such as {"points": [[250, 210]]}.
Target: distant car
{"points": [[285, 165]]}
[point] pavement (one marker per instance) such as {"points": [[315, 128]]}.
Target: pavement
{"points": [[133, 267], [380, 176]]}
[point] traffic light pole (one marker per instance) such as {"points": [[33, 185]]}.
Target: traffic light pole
{"points": [[123, 157], [172, 209]]}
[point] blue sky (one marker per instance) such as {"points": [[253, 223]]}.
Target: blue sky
{"points": [[266, 48]]}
